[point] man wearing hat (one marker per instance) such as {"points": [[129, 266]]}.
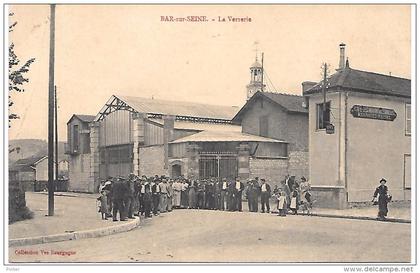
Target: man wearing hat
{"points": [[381, 193], [163, 198], [265, 196], [118, 192], [155, 195], [239, 187], [224, 195]]}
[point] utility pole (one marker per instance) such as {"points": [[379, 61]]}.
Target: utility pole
{"points": [[324, 93], [262, 72], [324, 85], [56, 134], [51, 115]]}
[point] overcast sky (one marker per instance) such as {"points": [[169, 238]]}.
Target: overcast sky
{"points": [[128, 50]]}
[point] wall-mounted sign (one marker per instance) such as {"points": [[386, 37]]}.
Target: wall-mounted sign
{"points": [[362, 111], [329, 129]]}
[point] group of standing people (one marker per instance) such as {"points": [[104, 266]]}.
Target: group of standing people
{"points": [[133, 195]]}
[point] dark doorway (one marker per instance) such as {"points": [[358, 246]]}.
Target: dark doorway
{"points": [[176, 170]]}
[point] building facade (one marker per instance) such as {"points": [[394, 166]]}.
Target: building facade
{"points": [[78, 151], [363, 135], [281, 117]]}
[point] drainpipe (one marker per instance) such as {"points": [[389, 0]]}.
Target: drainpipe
{"points": [[345, 145]]}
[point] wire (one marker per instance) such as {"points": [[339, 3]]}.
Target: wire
{"points": [[269, 81]]}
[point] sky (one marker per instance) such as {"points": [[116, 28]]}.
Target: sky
{"points": [[103, 50]]}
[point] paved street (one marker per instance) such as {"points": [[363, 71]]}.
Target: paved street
{"points": [[71, 214], [214, 236]]}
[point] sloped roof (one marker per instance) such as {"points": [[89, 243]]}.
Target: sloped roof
{"points": [[368, 82], [201, 126], [84, 118], [28, 161], [291, 103], [21, 168], [177, 108], [224, 136]]}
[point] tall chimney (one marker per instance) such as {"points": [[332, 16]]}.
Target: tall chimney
{"points": [[342, 56]]}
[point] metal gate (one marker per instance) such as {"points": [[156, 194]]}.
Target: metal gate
{"points": [[218, 166]]}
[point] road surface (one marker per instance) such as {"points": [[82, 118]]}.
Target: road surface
{"points": [[215, 236]]}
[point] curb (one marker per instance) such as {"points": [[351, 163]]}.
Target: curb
{"points": [[77, 235], [87, 195], [392, 220]]}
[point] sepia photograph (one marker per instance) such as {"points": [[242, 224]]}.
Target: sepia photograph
{"points": [[210, 134]]}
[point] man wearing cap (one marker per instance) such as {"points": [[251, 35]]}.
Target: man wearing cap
{"points": [[155, 195], [265, 196], [163, 198], [141, 192], [224, 195], [170, 194], [252, 193]]}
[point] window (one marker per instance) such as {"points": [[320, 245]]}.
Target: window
{"points": [[75, 138], [264, 126], [408, 119], [407, 171], [323, 118]]}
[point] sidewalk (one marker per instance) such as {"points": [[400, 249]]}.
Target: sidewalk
{"points": [[397, 212], [74, 214]]}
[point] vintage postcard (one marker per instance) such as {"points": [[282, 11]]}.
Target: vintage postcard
{"points": [[211, 133]]}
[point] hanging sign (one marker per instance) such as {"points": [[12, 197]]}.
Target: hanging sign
{"points": [[329, 129], [362, 111]]}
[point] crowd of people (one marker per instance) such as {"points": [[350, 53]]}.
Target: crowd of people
{"points": [[147, 196]]}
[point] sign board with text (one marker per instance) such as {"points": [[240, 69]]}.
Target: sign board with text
{"points": [[362, 111]]}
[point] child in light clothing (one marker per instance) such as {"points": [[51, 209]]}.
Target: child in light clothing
{"points": [[282, 204], [103, 209]]}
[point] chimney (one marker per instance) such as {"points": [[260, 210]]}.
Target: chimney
{"points": [[306, 85], [342, 56]]}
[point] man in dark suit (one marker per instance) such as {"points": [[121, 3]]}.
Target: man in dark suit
{"points": [[265, 196], [217, 195], [118, 194], [129, 195], [231, 196], [239, 187]]}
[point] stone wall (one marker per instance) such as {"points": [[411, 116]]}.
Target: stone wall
{"points": [[273, 170], [152, 160], [299, 164], [79, 173]]}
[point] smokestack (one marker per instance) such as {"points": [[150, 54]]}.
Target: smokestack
{"points": [[342, 56]]}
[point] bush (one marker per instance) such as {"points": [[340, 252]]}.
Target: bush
{"points": [[20, 214], [18, 210]]}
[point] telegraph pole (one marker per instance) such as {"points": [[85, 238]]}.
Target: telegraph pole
{"points": [[56, 134], [262, 72], [51, 115], [324, 84]]}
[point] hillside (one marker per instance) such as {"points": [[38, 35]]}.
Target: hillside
{"points": [[32, 147]]}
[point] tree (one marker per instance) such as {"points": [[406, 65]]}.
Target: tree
{"points": [[16, 73]]}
